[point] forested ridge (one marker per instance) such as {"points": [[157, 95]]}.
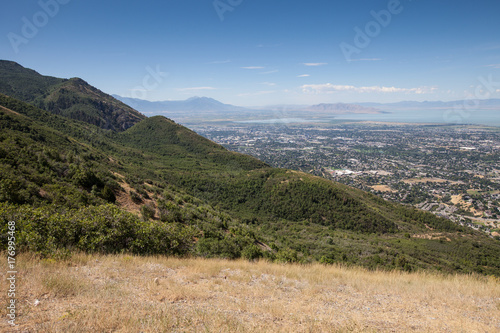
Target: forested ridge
{"points": [[156, 187]]}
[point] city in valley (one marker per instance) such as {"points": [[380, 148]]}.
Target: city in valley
{"points": [[450, 170]]}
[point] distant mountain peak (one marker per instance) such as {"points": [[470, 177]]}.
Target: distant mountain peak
{"points": [[192, 104]]}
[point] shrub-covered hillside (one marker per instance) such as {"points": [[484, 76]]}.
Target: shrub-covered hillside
{"points": [[159, 188]]}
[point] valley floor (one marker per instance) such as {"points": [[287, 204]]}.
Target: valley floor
{"points": [[93, 293]]}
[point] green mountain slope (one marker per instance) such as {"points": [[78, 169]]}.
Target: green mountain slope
{"points": [[23, 83], [158, 187], [245, 185], [64, 193], [161, 136], [73, 98]]}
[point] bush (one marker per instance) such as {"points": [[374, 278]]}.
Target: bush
{"points": [[147, 212], [286, 256], [251, 252], [169, 212], [135, 197], [326, 260], [164, 238], [85, 178], [108, 195], [113, 185], [218, 248], [403, 263], [103, 229]]}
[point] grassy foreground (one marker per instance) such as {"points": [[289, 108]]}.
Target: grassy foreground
{"points": [[122, 293]]}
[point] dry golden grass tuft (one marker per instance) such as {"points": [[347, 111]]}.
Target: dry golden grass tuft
{"points": [[122, 293]]}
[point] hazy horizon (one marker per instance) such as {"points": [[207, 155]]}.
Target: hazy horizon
{"points": [[284, 104]]}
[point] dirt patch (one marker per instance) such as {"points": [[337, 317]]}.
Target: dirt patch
{"points": [[455, 199], [124, 199], [432, 236], [425, 180], [9, 110], [383, 188]]}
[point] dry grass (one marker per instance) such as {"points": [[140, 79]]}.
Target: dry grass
{"points": [[425, 180], [158, 294], [383, 188]]}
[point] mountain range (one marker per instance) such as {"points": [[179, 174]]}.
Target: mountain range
{"points": [[210, 106], [193, 104], [475, 103], [80, 170]]}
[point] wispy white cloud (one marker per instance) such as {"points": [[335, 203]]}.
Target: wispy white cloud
{"points": [[257, 93], [270, 84], [496, 66], [303, 75], [329, 88], [253, 67], [270, 72], [196, 88], [315, 63]]}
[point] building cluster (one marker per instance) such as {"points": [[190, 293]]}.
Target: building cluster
{"points": [[451, 171]]}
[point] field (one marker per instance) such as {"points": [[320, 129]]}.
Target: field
{"points": [[122, 293], [425, 180], [382, 188]]}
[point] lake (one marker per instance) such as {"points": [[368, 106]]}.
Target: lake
{"points": [[445, 116], [449, 116]]}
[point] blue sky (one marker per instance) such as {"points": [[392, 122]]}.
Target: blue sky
{"points": [[260, 52]]}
